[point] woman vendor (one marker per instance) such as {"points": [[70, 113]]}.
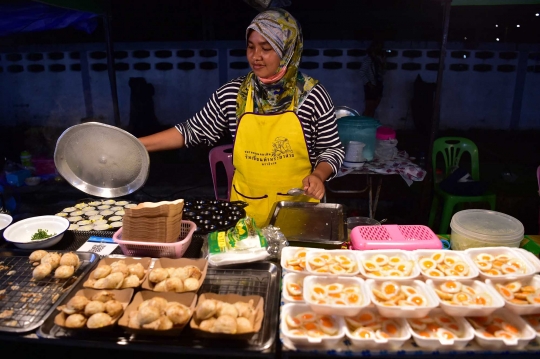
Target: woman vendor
{"points": [[282, 122]]}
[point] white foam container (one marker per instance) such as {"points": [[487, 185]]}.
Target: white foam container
{"points": [[288, 253], [292, 277], [381, 343], [473, 228], [537, 332], [518, 308], [333, 252], [406, 255], [421, 253], [330, 309], [528, 333], [297, 342], [438, 343], [530, 270], [470, 310], [405, 312]]}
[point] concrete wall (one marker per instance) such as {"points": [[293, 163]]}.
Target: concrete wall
{"points": [[59, 85]]}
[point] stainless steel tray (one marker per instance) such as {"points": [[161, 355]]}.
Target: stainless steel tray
{"points": [[25, 303], [310, 224], [261, 278]]}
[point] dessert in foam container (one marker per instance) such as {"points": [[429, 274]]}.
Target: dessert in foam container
{"points": [[303, 328], [392, 264], [335, 295], [521, 296], [501, 263], [404, 299], [335, 262], [293, 259], [293, 287], [441, 264], [466, 298], [439, 330], [368, 329], [501, 329]]}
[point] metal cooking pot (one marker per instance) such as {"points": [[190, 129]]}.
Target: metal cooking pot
{"points": [[101, 160]]}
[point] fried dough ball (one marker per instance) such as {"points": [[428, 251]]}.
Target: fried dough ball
{"points": [[76, 304], [36, 256], [243, 325], [206, 309], [131, 281], [228, 309], [170, 271], [103, 296], [147, 314], [52, 258], [114, 280], [90, 283], [117, 267], [177, 313], [133, 322], [94, 307], [194, 272], [181, 272], [165, 323], [102, 271], [41, 271], [191, 284], [113, 308], [161, 286], [75, 321], [101, 283], [136, 269], [158, 302], [207, 325], [158, 275], [225, 324], [63, 272], [99, 320], [70, 259], [245, 310], [174, 285]]}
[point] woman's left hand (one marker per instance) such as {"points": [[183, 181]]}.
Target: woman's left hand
{"points": [[313, 186]]}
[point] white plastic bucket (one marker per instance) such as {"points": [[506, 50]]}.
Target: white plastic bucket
{"points": [[474, 228]]}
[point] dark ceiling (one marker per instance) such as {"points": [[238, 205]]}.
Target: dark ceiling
{"points": [[399, 20]]}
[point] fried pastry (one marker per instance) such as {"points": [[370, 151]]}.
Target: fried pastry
{"points": [[113, 308], [136, 269], [75, 321], [36, 256], [102, 271], [158, 275], [103, 296], [41, 271], [99, 320], [64, 271], [94, 307], [70, 259]]}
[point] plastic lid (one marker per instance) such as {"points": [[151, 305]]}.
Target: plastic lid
{"points": [[385, 133], [489, 226]]}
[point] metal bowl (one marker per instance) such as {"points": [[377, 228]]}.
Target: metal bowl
{"points": [[20, 233], [344, 111], [101, 160]]}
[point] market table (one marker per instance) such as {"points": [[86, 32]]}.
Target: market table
{"points": [[373, 171]]}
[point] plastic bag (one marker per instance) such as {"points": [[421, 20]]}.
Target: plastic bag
{"points": [[241, 244], [276, 241]]}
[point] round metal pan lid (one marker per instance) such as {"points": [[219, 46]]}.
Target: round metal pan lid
{"points": [[101, 160]]}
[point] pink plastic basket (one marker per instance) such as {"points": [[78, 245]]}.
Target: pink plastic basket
{"points": [[155, 249], [393, 236]]}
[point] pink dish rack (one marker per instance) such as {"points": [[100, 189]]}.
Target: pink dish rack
{"points": [[392, 236], [158, 249]]}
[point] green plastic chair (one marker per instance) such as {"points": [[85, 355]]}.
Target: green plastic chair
{"points": [[452, 149]]}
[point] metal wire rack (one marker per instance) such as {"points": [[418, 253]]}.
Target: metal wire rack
{"points": [[25, 302]]}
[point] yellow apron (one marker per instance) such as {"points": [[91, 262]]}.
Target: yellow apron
{"points": [[270, 157]]}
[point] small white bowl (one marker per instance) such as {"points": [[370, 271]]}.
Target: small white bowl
{"points": [[32, 181], [530, 270], [20, 233], [5, 220]]}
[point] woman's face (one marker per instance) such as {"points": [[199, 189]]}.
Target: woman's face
{"points": [[262, 58]]}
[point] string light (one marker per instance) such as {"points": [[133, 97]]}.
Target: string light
{"points": [[517, 25], [537, 14], [497, 39], [496, 25]]}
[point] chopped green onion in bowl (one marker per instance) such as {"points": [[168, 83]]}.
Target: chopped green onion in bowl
{"points": [[41, 234]]}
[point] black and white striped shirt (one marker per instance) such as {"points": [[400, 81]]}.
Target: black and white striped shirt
{"points": [[316, 113]]}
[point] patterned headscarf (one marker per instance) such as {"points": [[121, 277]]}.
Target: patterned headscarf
{"points": [[284, 34]]}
